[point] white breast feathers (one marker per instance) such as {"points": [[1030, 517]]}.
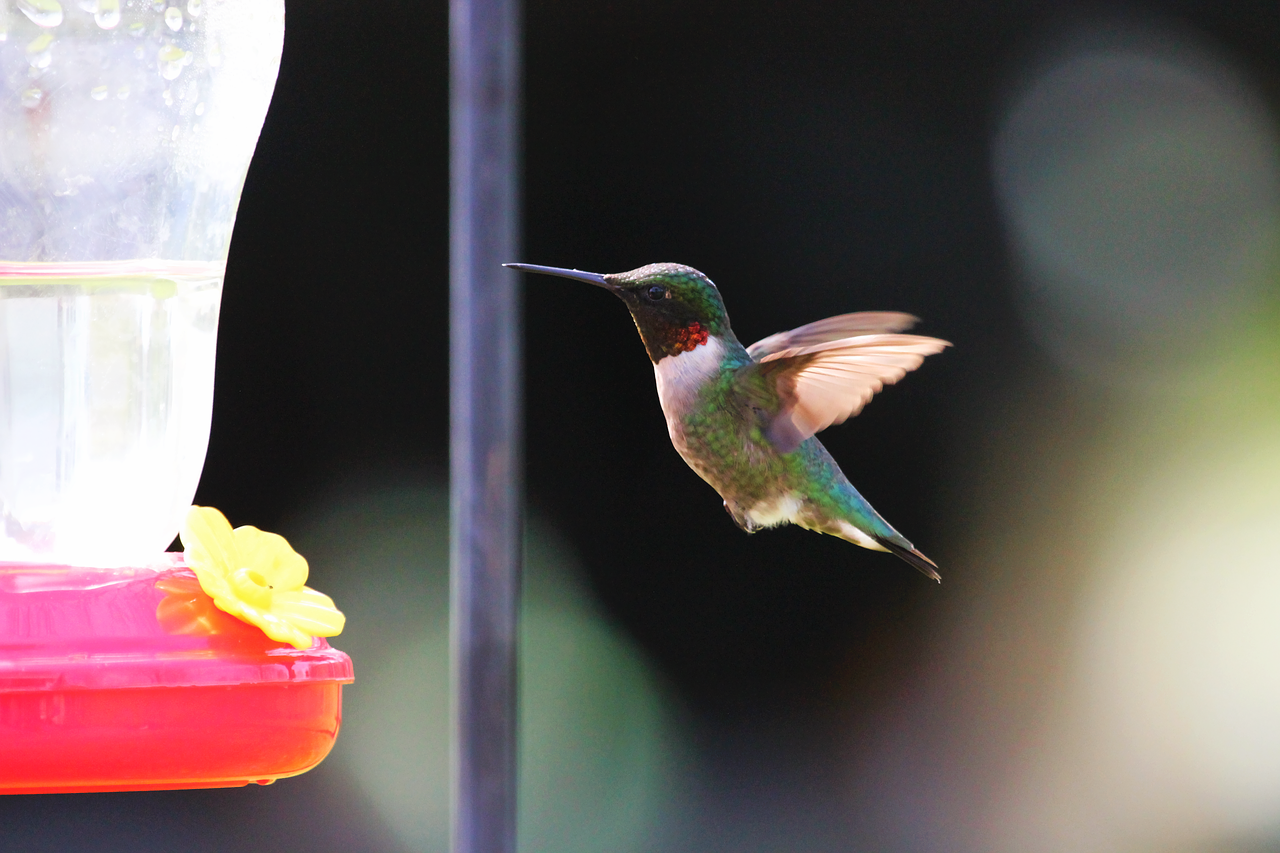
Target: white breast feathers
{"points": [[680, 377]]}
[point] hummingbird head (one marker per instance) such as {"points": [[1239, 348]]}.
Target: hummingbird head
{"points": [[675, 307]]}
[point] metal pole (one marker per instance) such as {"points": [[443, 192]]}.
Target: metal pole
{"points": [[485, 405]]}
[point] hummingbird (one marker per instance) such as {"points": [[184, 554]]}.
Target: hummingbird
{"points": [[745, 419]]}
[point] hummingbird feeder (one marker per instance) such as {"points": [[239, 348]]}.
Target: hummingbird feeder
{"points": [[126, 130]]}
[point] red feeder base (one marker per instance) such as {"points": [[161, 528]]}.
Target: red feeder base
{"points": [[129, 680]]}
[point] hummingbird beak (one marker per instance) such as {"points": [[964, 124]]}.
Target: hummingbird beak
{"points": [[576, 275]]}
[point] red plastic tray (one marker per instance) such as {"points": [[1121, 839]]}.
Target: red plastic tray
{"points": [[130, 679]]}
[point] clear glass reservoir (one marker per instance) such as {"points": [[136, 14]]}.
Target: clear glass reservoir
{"points": [[107, 384], [126, 130]]}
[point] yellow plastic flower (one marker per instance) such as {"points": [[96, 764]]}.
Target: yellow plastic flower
{"points": [[257, 577]]}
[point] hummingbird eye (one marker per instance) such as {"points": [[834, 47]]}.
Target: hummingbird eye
{"points": [[656, 292]]}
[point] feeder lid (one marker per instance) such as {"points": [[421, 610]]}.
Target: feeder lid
{"points": [[71, 627]]}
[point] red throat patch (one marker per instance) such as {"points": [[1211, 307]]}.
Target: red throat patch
{"points": [[689, 338]]}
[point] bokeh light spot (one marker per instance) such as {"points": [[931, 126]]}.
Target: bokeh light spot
{"points": [[1141, 190]]}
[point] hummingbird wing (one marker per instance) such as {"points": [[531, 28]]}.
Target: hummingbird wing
{"points": [[833, 329], [830, 382]]}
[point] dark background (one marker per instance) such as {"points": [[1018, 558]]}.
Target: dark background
{"points": [[811, 157]]}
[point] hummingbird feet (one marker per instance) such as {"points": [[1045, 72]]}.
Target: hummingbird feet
{"points": [[740, 518]]}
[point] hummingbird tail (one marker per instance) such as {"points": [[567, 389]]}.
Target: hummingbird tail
{"points": [[913, 556]]}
